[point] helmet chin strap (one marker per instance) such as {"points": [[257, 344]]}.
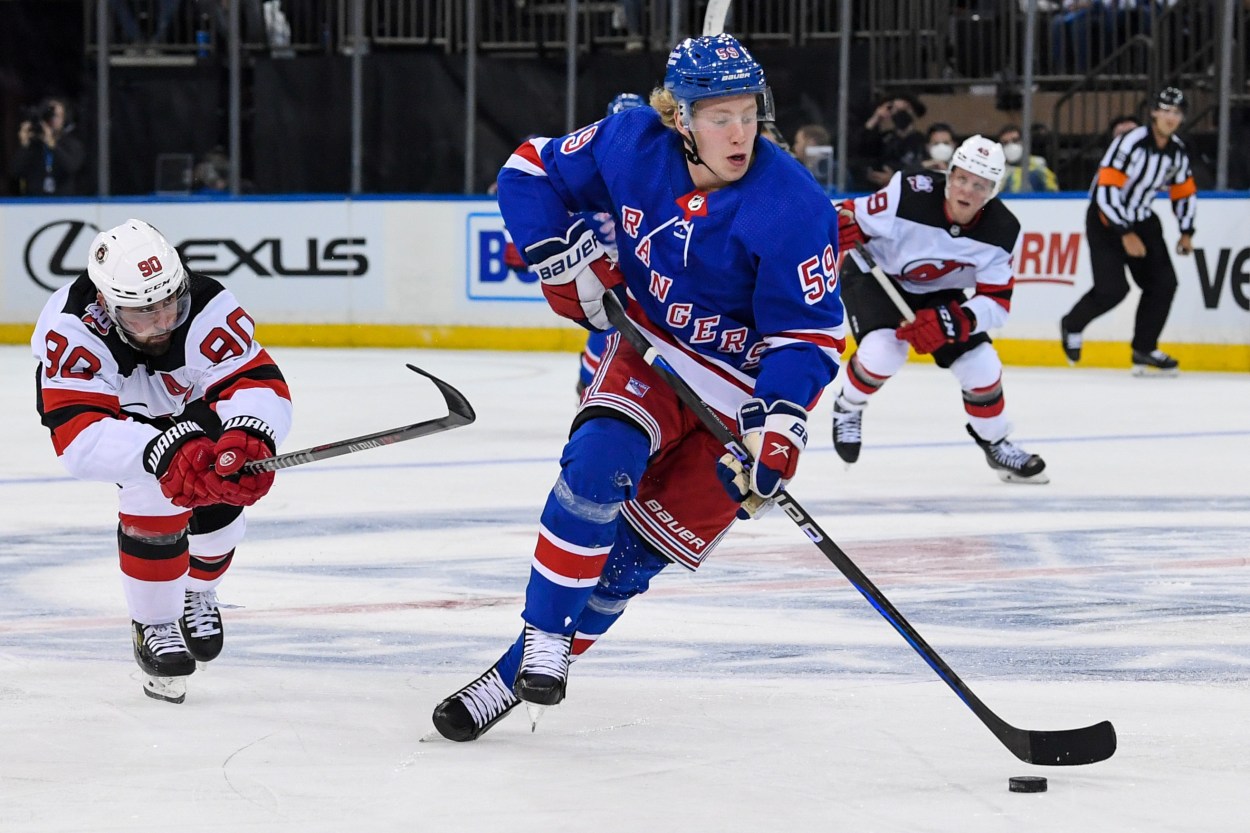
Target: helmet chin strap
{"points": [[691, 150]]}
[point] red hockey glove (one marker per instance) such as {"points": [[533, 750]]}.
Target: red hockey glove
{"points": [[936, 328], [243, 439], [181, 458], [512, 258], [849, 232], [575, 271], [774, 435]]}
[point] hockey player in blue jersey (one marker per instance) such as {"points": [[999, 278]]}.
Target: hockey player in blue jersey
{"points": [[604, 227], [728, 253]]}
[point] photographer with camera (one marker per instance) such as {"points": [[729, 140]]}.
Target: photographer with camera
{"points": [[889, 141], [48, 158]]}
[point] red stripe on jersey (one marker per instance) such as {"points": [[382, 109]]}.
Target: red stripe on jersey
{"points": [[988, 409], [54, 398], [998, 293], [821, 340], [569, 564], [65, 433], [154, 569], [241, 380], [156, 524], [530, 154], [207, 569]]}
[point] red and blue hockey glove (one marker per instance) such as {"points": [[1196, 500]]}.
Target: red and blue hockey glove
{"points": [[774, 435], [849, 232], [576, 271], [938, 327], [242, 440], [181, 458]]}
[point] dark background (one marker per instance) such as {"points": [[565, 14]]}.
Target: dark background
{"points": [[296, 111]]}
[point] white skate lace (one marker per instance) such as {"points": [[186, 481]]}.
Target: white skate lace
{"points": [[848, 425], [200, 614], [545, 653], [163, 639], [487, 697], [1011, 456]]}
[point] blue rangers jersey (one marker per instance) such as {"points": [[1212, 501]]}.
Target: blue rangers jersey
{"points": [[737, 288]]}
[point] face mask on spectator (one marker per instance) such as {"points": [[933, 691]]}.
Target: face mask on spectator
{"points": [[941, 152], [1014, 151]]}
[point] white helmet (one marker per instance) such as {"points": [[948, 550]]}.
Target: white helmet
{"points": [[135, 269], [982, 157]]}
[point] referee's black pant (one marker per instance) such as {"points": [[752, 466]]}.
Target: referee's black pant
{"points": [[1153, 274]]}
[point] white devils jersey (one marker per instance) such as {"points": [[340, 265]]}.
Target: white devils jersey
{"points": [[912, 239], [102, 399]]}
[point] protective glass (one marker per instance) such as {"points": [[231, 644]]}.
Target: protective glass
{"points": [[155, 320], [709, 118]]}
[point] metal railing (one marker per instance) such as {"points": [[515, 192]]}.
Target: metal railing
{"points": [[1096, 59]]}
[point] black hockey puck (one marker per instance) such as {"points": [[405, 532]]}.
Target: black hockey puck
{"points": [[1027, 784]]}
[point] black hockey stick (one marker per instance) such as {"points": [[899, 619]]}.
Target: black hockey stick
{"points": [[460, 412], [1063, 747]]}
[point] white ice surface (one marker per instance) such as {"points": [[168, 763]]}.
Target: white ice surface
{"points": [[762, 694]]}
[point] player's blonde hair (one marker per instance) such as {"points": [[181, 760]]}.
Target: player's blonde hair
{"points": [[662, 102]]}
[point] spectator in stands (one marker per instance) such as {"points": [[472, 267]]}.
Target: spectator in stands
{"points": [[812, 147], [49, 158], [889, 141], [124, 15], [939, 147], [1024, 177], [1121, 125]]}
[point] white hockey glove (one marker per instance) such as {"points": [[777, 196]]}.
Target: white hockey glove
{"points": [[774, 435], [575, 271]]}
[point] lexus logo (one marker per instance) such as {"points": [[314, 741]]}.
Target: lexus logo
{"points": [[48, 249]]}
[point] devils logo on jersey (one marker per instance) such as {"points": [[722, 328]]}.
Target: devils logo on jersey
{"points": [[932, 269]]}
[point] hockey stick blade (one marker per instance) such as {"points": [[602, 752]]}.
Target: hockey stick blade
{"points": [[1065, 747], [459, 412]]}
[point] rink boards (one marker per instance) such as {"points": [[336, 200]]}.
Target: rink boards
{"points": [[430, 272]]}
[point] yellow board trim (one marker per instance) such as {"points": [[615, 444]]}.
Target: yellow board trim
{"points": [[1106, 354]]}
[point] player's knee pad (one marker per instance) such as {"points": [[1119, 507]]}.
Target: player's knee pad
{"points": [[152, 548], [602, 465], [979, 368]]}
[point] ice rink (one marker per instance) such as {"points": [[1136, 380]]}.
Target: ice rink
{"points": [[761, 694]]}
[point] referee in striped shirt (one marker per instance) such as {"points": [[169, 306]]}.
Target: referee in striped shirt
{"points": [[1123, 231]]}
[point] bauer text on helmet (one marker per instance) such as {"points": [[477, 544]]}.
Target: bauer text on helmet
{"points": [[141, 281], [711, 67]]}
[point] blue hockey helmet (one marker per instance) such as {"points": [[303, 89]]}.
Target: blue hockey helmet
{"points": [[625, 101], [711, 67]]}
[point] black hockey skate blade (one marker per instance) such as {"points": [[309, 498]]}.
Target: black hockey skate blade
{"points": [[1027, 784]]}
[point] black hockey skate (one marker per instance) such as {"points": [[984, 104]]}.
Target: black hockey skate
{"points": [[470, 712], [544, 673], [164, 659], [201, 625], [1071, 343], [847, 432], [1154, 363], [1012, 463]]}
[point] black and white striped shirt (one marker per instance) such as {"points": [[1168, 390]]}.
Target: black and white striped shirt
{"points": [[1133, 170]]}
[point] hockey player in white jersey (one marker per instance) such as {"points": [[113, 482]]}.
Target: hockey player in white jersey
{"points": [[945, 243], [150, 378]]}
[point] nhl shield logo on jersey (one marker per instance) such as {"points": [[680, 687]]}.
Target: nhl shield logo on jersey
{"points": [[693, 204], [920, 182]]}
